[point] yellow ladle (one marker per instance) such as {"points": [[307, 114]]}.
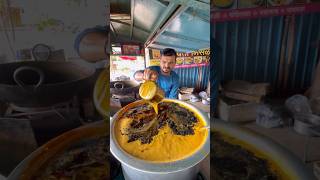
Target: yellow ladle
{"points": [[153, 94]]}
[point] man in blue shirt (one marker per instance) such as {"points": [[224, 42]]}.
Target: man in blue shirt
{"points": [[166, 78]]}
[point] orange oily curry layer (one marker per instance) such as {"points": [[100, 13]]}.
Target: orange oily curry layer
{"points": [[165, 146]]}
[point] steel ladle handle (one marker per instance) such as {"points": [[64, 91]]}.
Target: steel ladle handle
{"points": [[20, 70]]}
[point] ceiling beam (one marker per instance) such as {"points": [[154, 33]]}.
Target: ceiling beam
{"points": [[173, 46], [201, 17], [162, 2], [132, 19], [163, 47], [120, 22], [113, 29], [179, 36], [193, 3], [128, 24], [166, 21], [167, 18], [167, 14]]}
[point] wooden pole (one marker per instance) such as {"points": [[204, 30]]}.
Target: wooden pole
{"points": [[290, 52], [282, 53]]}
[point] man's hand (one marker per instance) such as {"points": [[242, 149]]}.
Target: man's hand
{"points": [[149, 74], [146, 74]]}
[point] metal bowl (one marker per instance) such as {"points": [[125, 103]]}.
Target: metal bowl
{"points": [[134, 168]]}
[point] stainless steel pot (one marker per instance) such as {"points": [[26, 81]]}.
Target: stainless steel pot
{"points": [[41, 84], [123, 87], [286, 161], [134, 168]]}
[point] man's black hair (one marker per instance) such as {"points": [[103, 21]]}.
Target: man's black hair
{"points": [[168, 52]]}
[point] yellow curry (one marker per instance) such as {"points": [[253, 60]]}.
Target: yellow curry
{"points": [[166, 146]]}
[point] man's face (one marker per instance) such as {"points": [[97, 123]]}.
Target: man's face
{"points": [[167, 63]]}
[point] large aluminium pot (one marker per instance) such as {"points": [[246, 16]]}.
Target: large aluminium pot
{"points": [[41, 84], [285, 161], [39, 158], [134, 168], [123, 87]]}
